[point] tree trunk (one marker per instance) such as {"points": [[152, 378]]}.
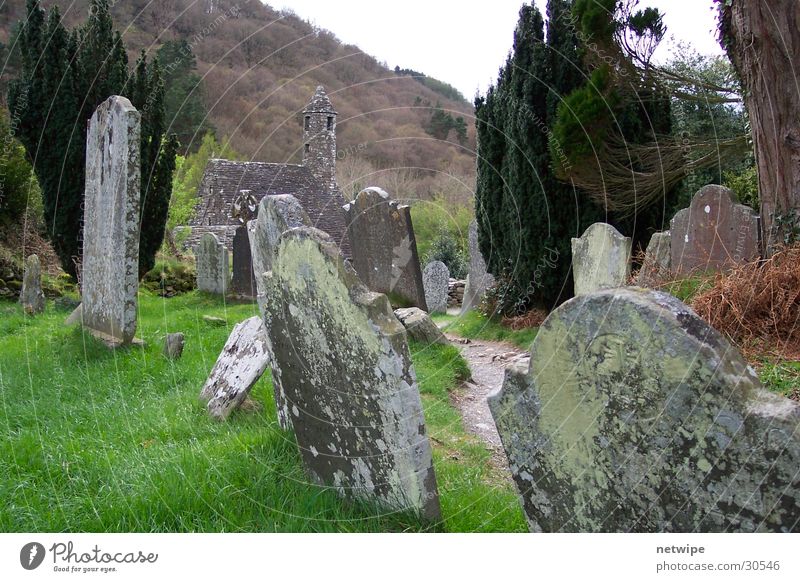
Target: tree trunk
{"points": [[764, 37]]}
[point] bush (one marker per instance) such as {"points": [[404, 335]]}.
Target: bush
{"points": [[448, 249], [441, 229], [170, 278]]}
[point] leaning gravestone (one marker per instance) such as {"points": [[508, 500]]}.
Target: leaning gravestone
{"points": [[384, 247], [212, 265], [240, 364], [657, 264], [32, 297], [478, 280], [243, 281], [635, 415], [419, 326], [714, 233], [435, 280], [600, 259], [110, 269], [344, 364]]}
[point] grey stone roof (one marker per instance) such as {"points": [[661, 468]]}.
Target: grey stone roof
{"points": [[319, 102]]}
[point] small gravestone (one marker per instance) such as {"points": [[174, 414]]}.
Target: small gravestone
{"points": [[601, 259], [714, 233], [345, 368], [419, 326], [243, 281], [212, 265], [242, 362], [435, 279], [384, 247], [636, 416], [657, 264], [478, 280], [173, 345], [32, 297], [110, 267]]}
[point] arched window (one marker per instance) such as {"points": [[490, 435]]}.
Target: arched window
{"points": [[330, 122]]}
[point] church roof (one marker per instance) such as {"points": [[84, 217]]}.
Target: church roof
{"points": [[319, 102]]}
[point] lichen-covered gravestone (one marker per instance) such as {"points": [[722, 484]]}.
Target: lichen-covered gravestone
{"points": [[419, 326], [714, 233], [32, 297], [657, 264], [240, 364], [435, 279], [478, 280], [384, 247], [343, 361], [601, 259], [110, 268], [635, 415], [243, 280], [213, 274]]}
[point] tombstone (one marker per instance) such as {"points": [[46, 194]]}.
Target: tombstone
{"points": [[212, 265], [601, 259], [243, 281], [657, 264], [635, 415], [384, 247], [32, 297], [714, 234], [240, 364], [478, 280], [110, 268], [419, 326], [173, 346], [343, 361], [435, 280]]}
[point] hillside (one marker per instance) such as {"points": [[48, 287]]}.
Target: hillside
{"points": [[259, 67]]}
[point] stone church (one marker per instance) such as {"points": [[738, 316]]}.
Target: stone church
{"points": [[225, 183]]}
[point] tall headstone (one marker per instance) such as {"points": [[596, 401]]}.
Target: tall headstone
{"points": [[714, 233], [213, 275], [435, 280], [343, 361], [32, 297], [384, 247], [635, 415], [657, 264], [243, 281], [601, 259], [110, 269], [478, 280]]}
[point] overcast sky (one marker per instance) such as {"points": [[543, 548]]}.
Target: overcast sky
{"points": [[465, 43]]}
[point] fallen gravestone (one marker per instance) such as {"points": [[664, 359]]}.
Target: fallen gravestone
{"points": [[419, 326], [435, 279], [478, 280], [601, 259], [212, 265], [32, 297], [217, 321], [241, 363], [657, 265], [636, 416], [714, 233], [384, 247], [173, 345], [343, 361], [243, 280]]}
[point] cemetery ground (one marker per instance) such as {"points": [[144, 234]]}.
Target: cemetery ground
{"points": [[95, 439]]}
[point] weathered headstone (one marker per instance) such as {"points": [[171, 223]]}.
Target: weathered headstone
{"points": [[242, 362], [419, 326], [32, 297], [173, 345], [243, 281], [635, 415], [212, 265], [478, 280], [714, 233], [435, 279], [384, 247], [110, 268], [344, 364], [657, 264], [601, 259]]}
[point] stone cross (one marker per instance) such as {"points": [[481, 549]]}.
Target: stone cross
{"points": [[601, 258], [212, 265]]}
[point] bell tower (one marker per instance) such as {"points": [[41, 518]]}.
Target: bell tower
{"points": [[319, 139]]}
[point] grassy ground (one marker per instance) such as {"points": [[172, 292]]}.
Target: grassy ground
{"points": [[474, 325], [99, 440]]}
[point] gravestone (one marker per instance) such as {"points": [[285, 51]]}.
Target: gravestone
{"points": [[240, 364], [714, 233], [212, 265], [110, 268], [173, 346], [635, 415], [419, 326], [343, 361], [478, 280], [243, 281], [384, 247], [435, 280], [601, 259], [32, 297], [657, 264]]}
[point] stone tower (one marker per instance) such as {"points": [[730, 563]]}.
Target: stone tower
{"points": [[319, 139]]}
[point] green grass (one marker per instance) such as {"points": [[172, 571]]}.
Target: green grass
{"points": [[99, 440], [474, 325], [783, 378]]}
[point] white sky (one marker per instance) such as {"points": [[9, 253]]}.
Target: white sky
{"points": [[465, 43]]}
